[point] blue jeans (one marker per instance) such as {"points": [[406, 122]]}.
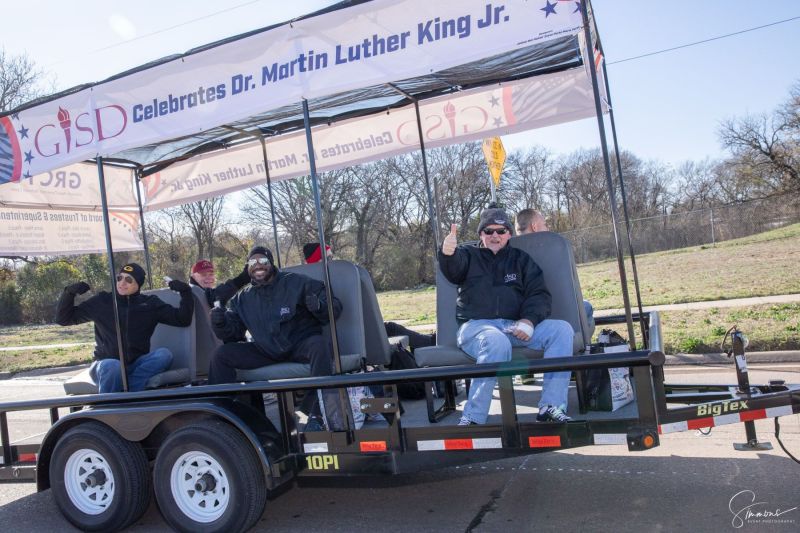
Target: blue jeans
{"points": [[107, 374], [589, 315], [485, 341]]}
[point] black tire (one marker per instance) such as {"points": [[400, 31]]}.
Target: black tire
{"points": [[223, 460], [119, 473]]}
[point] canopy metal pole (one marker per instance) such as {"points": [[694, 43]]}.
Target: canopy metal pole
{"points": [[433, 207], [144, 232], [337, 363], [589, 61], [113, 270], [269, 186], [642, 324]]}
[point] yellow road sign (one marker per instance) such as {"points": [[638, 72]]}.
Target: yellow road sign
{"points": [[495, 156]]}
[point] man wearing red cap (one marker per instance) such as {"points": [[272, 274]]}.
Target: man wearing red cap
{"points": [[203, 276]]}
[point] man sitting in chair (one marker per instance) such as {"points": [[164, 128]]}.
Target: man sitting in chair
{"points": [[139, 314], [284, 312], [503, 302]]}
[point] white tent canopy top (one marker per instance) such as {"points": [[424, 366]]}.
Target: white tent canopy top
{"points": [[478, 69]]}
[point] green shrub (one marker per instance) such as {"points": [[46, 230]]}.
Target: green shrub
{"points": [[10, 306], [40, 287]]}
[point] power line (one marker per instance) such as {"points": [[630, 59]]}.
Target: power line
{"points": [[703, 41]]}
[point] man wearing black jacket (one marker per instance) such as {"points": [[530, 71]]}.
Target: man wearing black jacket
{"points": [[284, 313], [503, 302], [138, 316]]}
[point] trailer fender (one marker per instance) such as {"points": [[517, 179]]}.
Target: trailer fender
{"points": [[137, 422]]}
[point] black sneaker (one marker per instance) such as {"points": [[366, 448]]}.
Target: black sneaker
{"points": [[315, 423], [552, 414]]}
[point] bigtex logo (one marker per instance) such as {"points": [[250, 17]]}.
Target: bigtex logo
{"points": [[716, 409]]}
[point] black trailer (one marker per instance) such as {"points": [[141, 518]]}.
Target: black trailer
{"points": [[212, 454]]}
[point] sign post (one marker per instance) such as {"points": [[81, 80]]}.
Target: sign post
{"points": [[495, 156]]}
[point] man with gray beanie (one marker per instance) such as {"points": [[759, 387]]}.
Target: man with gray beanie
{"points": [[503, 302], [139, 314], [284, 313]]}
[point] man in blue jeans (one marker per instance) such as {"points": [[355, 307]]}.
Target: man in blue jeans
{"points": [[503, 302], [139, 315]]}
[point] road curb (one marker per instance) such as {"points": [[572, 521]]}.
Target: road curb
{"points": [[786, 356]]}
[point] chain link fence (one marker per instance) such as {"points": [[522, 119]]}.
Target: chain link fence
{"points": [[691, 228]]}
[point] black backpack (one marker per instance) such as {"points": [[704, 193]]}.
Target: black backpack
{"points": [[403, 359]]}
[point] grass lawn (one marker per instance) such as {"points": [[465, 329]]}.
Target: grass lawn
{"points": [[760, 265]]}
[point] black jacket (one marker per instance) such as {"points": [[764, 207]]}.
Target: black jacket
{"points": [[138, 316], [278, 314], [508, 284], [224, 291]]}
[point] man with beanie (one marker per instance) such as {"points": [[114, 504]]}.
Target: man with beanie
{"points": [[203, 276], [138, 316], [284, 313], [503, 302]]}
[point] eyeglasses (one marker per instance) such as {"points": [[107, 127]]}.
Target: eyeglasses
{"points": [[492, 231], [260, 261], [123, 277]]}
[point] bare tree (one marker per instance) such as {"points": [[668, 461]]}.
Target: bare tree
{"points": [[20, 80], [204, 219]]}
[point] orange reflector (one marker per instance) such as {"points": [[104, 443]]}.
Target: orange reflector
{"points": [[756, 414], [373, 446], [550, 441], [648, 441], [458, 444], [27, 457]]}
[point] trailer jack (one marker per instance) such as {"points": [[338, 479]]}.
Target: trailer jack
{"points": [[739, 343]]}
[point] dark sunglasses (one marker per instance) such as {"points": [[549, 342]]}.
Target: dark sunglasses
{"points": [[492, 231], [123, 277], [260, 260]]}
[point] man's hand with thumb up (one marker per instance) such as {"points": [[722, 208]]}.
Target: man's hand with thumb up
{"points": [[450, 242]]}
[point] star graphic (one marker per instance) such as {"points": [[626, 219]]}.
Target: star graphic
{"points": [[23, 132], [549, 9], [577, 7], [498, 122], [29, 156], [15, 116], [27, 175], [495, 101]]}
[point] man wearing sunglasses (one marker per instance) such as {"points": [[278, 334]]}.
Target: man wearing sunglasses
{"points": [[503, 302], [284, 313], [138, 316]]}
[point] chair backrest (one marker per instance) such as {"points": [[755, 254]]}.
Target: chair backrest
{"points": [[379, 351], [553, 254], [181, 342], [206, 340], [346, 286]]}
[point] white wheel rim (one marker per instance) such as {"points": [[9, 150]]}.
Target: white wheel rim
{"points": [[194, 469], [83, 479]]}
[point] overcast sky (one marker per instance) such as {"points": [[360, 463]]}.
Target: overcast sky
{"points": [[667, 106]]}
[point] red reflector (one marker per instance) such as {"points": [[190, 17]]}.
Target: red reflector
{"points": [[373, 446], [550, 441], [27, 457], [707, 422], [458, 444], [753, 415]]}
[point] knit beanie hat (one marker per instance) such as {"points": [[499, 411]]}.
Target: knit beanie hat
{"points": [[311, 252], [263, 250], [494, 215], [134, 271]]}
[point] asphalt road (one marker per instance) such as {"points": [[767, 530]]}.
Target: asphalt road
{"points": [[689, 483]]}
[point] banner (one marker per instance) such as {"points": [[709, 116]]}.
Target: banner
{"points": [[366, 44], [75, 186], [54, 232], [458, 118]]}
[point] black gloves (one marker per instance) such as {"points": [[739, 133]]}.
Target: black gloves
{"points": [[313, 302], [218, 316], [179, 286], [242, 279], [77, 288]]}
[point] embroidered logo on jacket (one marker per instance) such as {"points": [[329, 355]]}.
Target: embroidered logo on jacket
{"points": [[510, 277], [285, 311]]}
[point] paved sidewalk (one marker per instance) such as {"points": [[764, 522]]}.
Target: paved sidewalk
{"points": [[736, 302]]}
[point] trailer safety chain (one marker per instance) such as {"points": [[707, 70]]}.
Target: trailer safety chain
{"points": [[778, 438]]}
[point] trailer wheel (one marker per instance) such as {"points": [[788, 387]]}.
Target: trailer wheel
{"points": [[100, 481], [208, 478]]}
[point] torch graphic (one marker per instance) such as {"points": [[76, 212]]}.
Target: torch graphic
{"points": [[450, 113], [65, 123]]}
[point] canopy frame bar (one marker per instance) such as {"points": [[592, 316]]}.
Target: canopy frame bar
{"points": [[137, 182]]}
